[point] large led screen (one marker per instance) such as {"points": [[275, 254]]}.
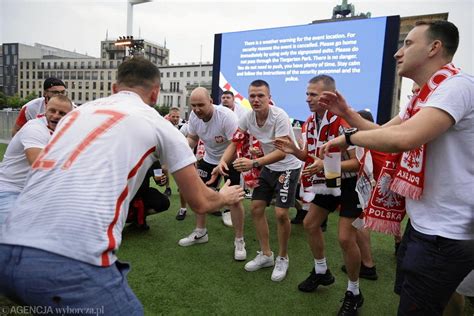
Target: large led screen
{"points": [[357, 53]]}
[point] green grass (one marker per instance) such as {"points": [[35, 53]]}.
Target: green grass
{"points": [[204, 279]]}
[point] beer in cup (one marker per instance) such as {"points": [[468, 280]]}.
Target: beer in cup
{"points": [[332, 169]]}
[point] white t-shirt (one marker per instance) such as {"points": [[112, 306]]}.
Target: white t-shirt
{"points": [[216, 134], [240, 110], [76, 204], [34, 108], [446, 207], [15, 167], [277, 125]]}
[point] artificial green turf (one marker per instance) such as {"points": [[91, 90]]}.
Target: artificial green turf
{"points": [[204, 279]]}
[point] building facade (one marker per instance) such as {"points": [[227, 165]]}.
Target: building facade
{"points": [[178, 81], [25, 67]]}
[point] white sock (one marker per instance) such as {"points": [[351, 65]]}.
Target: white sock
{"points": [[201, 231], [353, 287], [239, 239], [320, 266], [183, 209]]}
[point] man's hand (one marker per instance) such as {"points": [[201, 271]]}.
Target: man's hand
{"points": [[161, 180], [255, 151], [242, 164], [335, 103], [285, 144], [313, 168], [231, 194], [339, 142], [220, 169]]}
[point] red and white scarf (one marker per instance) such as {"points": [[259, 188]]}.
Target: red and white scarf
{"points": [[383, 209], [410, 173], [243, 141], [314, 138]]}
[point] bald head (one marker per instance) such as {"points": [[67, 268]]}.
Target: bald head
{"points": [[201, 92], [201, 103]]}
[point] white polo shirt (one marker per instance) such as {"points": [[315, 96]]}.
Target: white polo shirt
{"points": [[75, 202]]}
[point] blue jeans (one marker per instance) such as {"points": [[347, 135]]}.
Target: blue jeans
{"points": [[429, 269], [7, 199], [62, 285]]}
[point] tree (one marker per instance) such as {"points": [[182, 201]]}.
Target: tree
{"points": [[15, 101], [3, 100], [162, 109]]}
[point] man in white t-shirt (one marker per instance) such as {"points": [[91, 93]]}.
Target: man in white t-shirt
{"points": [[279, 176], [36, 107], [435, 133], [228, 100], [23, 150], [68, 220], [214, 126]]}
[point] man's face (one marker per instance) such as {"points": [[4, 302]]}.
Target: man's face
{"points": [[55, 110], [201, 106], [174, 117], [413, 54], [227, 100], [55, 90], [313, 92], [259, 98]]}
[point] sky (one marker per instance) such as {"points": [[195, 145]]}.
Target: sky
{"points": [[188, 26]]}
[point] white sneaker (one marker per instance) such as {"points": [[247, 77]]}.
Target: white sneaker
{"points": [[227, 219], [281, 267], [193, 238], [239, 252], [260, 261]]}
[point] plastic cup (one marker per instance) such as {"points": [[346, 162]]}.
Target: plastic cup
{"points": [[158, 172], [332, 170]]}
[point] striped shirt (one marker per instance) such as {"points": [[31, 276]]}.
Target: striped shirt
{"points": [[75, 202]]}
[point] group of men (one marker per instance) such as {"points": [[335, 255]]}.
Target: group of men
{"points": [[109, 144]]}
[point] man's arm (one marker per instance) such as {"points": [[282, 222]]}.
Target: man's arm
{"points": [[426, 125], [20, 121], [287, 145], [336, 103], [352, 164], [201, 198], [32, 153], [192, 140]]}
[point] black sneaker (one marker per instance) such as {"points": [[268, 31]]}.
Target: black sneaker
{"points": [[350, 304], [167, 192], [299, 217], [365, 272], [181, 214], [316, 279], [324, 225]]}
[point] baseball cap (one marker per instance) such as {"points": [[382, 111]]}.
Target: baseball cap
{"points": [[52, 82]]}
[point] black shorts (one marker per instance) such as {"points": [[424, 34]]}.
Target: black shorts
{"points": [[281, 184], [205, 170], [348, 200]]}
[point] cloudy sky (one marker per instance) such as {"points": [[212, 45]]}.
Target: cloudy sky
{"points": [[188, 25]]}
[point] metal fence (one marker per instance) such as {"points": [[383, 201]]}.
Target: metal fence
{"points": [[7, 120]]}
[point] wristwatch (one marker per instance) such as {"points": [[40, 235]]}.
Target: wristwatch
{"points": [[255, 164], [348, 132]]}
